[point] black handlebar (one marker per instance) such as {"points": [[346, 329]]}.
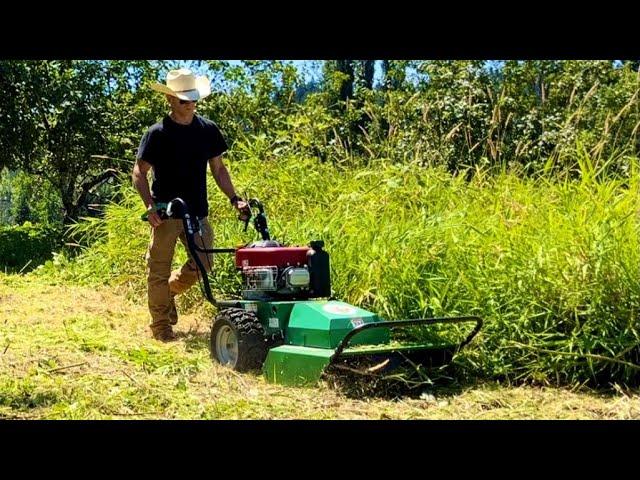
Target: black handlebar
{"points": [[406, 323], [259, 221], [177, 208]]}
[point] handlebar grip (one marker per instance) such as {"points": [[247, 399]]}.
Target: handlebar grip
{"points": [[161, 210]]}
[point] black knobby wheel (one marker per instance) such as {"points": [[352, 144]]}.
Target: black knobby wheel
{"points": [[238, 340]]}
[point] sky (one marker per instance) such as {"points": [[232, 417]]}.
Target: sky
{"points": [[310, 69]]}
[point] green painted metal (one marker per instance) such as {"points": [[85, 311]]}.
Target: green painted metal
{"points": [[296, 365], [315, 323], [274, 316], [323, 324], [312, 330]]}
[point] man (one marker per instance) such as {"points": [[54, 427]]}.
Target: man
{"points": [[177, 150]]}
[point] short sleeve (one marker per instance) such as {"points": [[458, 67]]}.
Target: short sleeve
{"points": [[218, 145], [148, 148]]}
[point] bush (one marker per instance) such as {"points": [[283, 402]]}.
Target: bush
{"points": [[26, 246]]}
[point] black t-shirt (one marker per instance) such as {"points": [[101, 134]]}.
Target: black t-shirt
{"points": [[179, 155]]}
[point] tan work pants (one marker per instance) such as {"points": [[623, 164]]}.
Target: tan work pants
{"points": [[162, 283]]}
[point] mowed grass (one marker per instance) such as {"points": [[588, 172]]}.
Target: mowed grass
{"points": [[78, 352]]}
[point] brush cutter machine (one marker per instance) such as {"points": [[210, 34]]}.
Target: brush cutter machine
{"points": [[287, 323]]}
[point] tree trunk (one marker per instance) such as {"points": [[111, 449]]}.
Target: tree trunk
{"points": [[346, 88], [368, 70], [393, 74], [73, 206]]}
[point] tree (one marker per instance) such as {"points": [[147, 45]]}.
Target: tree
{"points": [[344, 77], [633, 64], [393, 74], [69, 121], [338, 80]]}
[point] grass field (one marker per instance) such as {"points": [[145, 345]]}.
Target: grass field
{"points": [[71, 352]]}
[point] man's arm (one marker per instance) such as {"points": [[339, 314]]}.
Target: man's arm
{"points": [[221, 176], [139, 177], [223, 180]]}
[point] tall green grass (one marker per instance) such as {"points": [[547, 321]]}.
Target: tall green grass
{"points": [[552, 266]]}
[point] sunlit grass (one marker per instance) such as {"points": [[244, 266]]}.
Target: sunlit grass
{"points": [[552, 266], [47, 372]]}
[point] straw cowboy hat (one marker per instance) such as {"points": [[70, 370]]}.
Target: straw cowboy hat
{"points": [[185, 85]]}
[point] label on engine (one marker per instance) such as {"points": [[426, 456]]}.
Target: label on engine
{"points": [[251, 307], [274, 322]]}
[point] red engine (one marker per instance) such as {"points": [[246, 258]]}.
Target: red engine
{"points": [[271, 256], [277, 272]]}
